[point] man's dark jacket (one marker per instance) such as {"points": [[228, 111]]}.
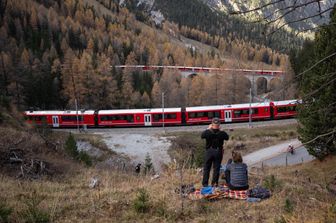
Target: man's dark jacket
{"points": [[214, 138]]}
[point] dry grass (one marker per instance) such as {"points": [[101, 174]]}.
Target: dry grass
{"points": [[71, 200], [252, 139]]}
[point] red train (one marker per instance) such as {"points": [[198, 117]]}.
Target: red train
{"points": [[172, 116]]}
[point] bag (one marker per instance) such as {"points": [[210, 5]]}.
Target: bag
{"points": [[259, 192]]}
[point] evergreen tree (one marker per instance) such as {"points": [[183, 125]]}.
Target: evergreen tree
{"points": [[317, 114], [148, 164]]}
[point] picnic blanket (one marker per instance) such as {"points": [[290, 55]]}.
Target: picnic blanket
{"points": [[215, 193]]}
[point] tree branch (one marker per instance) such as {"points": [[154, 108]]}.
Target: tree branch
{"points": [[319, 136]]}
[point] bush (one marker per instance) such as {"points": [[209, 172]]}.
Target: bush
{"points": [[85, 158], [4, 213], [280, 220], [289, 206], [71, 146], [271, 183], [148, 164], [71, 149], [141, 203], [161, 208], [33, 214], [188, 145]]}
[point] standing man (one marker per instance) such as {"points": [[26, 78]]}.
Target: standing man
{"points": [[214, 151]]}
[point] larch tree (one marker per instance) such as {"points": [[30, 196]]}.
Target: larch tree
{"points": [[197, 91], [156, 95]]}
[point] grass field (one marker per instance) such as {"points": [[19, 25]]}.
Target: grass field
{"points": [[300, 194]]}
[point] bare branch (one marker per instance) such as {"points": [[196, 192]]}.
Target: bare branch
{"points": [[321, 87], [317, 63], [292, 9], [299, 20], [319, 136], [313, 28]]}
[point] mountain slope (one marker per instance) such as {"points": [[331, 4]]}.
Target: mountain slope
{"points": [[281, 9]]}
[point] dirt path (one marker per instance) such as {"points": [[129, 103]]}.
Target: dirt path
{"points": [[136, 146]]}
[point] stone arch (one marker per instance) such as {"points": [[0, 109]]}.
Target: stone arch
{"points": [[192, 75], [261, 85], [275, 84]]}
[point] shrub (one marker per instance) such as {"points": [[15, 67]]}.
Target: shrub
{"points": [[161, 208], [289, 206], [71, 146], [4, 213], [32, 213], [72, 150], [148, 164], [141, 203], [85, 158], [280, 220], [188, 145], [271, 183]]}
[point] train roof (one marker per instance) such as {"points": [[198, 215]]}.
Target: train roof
{"points": [[287, 102], [68, 112], [218, 107], [138, 111]]}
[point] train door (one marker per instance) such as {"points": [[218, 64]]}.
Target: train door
{"points": [[148, 119], [55, 121], [228, 116]]}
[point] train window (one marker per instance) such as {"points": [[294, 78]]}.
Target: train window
{"points": [[71, 118], [201, 114], [255, 111], [128, 118], [191, 114], [287, 109], [237, 113], [39, 118], [217, 114], [171, 116], [157, 117]]}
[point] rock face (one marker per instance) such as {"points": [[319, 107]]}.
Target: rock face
{"points": [[275, 11]]}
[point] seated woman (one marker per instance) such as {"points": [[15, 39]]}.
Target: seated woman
{"points": [[236, 173]]}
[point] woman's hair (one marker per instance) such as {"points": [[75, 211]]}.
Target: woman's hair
{"points": [[237, 158]]}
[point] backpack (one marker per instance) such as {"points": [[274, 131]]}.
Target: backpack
{"points": [[259, 192]]}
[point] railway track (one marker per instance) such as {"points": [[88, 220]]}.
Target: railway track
{"points": [[190, 128]]}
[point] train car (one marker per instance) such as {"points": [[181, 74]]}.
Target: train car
{"points": [[284, 109], [59, 119], [203, 114], [139, 117], [240, 112]]}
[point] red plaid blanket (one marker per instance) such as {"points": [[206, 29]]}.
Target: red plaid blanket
{"points": [[219, 193]]}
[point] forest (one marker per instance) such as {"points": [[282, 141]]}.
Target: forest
{"points": [[56, 52]]}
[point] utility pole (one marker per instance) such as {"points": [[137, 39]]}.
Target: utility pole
{"points": [[250, 110], [77, 114], [163, 119]]}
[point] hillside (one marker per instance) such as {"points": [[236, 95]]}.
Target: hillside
{"points": [[275, 11], [299, 194], [54, 53], [213, 18]]}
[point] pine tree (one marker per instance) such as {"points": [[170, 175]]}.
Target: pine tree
{"points": [[317, 114]]}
